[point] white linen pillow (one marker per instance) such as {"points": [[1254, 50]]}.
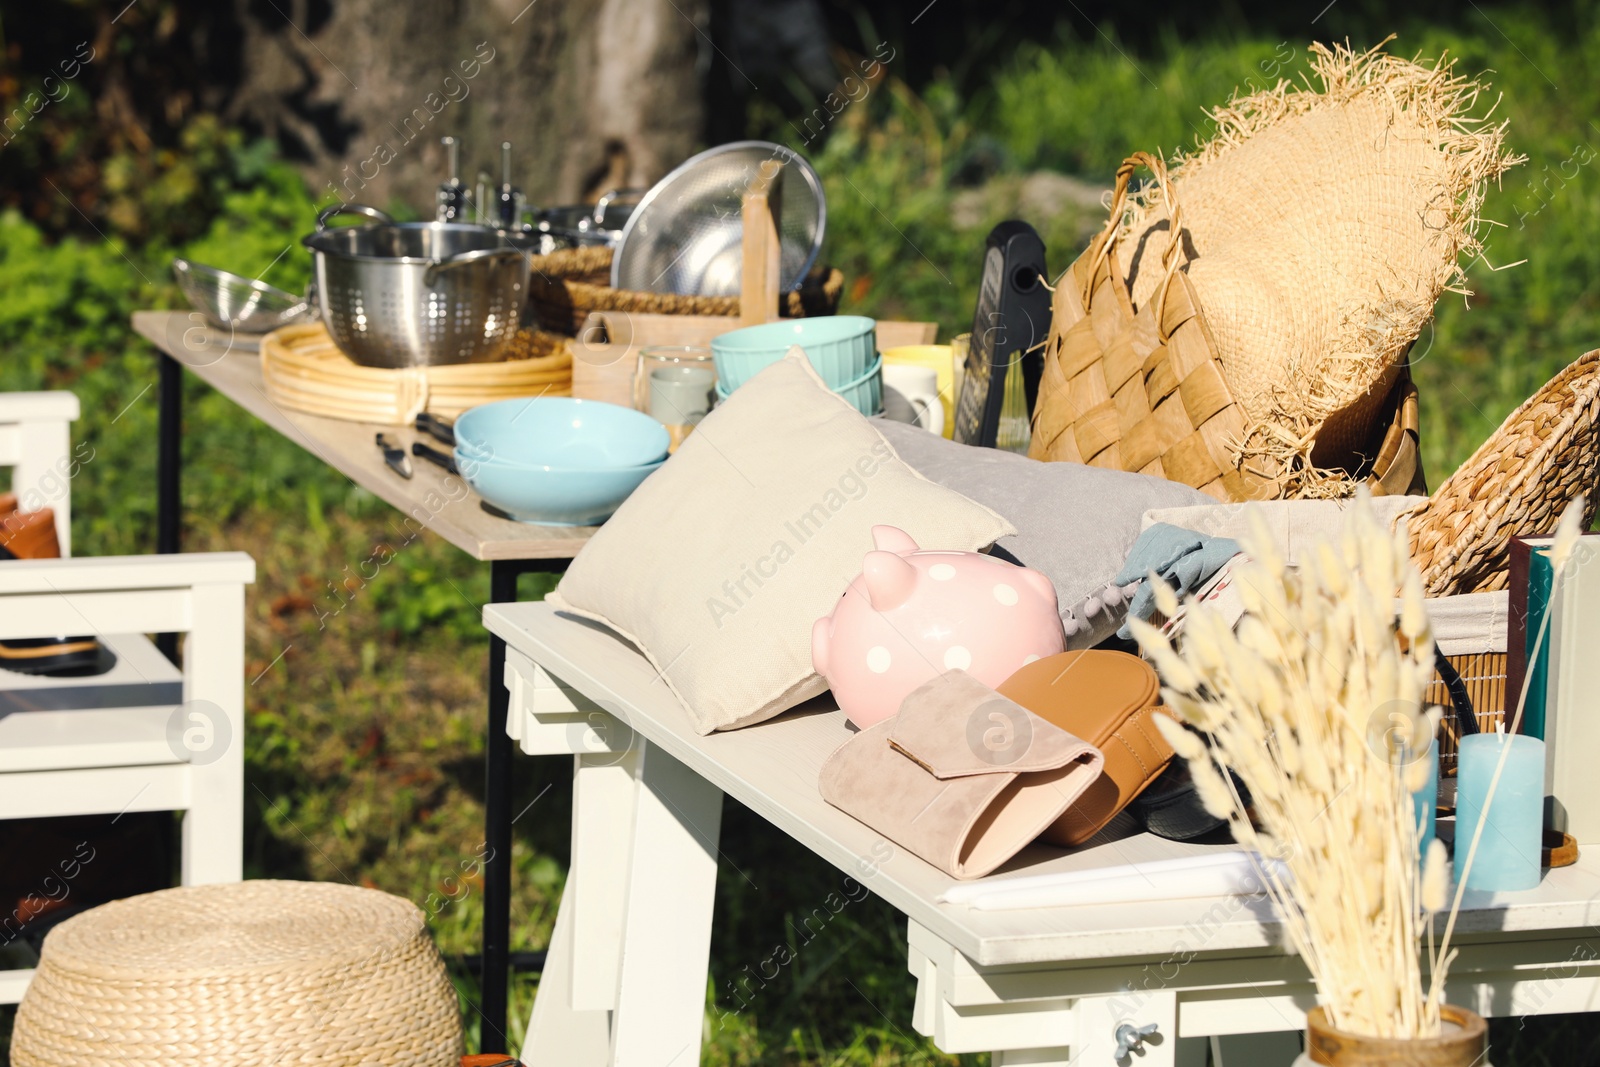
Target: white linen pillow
{"points": [[719, 562]]}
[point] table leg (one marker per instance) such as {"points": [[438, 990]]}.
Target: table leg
{"points": [[666, 931], [1256, 1050], [558, 1033], [571, 1019], [169, 462], [497, 816]]}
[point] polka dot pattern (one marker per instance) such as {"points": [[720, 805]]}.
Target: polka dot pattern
{"points": [[1006, 595], [957, 658], [878, 660]]}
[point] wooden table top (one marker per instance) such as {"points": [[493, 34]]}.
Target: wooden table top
{"points": [[433, 498], [772, 768]]}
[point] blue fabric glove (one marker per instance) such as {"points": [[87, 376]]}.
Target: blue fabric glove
{"points": [[1184, 558]]}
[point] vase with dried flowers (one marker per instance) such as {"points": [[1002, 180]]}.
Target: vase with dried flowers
{"points": [[1314, 701]]}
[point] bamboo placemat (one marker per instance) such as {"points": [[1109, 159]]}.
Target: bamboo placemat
{"points": [[304, 370]]}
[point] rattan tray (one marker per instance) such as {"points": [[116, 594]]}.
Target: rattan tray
{"points": [[303, 369]]}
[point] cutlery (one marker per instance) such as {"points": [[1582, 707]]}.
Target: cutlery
{"points": [[434, 456], [394, 456], [440, 429]]}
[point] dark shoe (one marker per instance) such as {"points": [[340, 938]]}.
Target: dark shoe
{"points": [[60, 657], [1171, 807]]}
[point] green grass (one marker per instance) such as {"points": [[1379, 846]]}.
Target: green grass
{"points": [[364, 746]]}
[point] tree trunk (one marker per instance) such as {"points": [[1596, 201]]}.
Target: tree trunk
{"points": [[591, 94]]}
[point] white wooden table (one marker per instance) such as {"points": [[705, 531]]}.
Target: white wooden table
{"points": [[626, 976]]}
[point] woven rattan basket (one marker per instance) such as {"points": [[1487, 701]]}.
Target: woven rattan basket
{"points": [[303, 369], [1142, 389], [265, 972], [566, 285], [1517, 483]]}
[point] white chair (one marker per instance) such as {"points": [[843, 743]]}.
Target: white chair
{"points": [[119, 742]]}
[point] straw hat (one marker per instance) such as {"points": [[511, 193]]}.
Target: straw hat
{"points": [[257, 972], [1321, 224], [1517, 483]]}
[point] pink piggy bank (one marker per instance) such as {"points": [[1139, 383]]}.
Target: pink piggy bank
{"points": [[914, 614]]}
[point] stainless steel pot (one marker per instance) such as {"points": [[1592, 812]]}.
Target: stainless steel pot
{"points": [[416, 294], [579, 225]]}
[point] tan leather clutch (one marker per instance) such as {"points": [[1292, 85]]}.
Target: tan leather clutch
{"points": [[1109, 699], [961, 777]]}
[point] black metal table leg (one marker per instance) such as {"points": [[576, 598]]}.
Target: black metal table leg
{"points": [[503, 575], [169, 461]]}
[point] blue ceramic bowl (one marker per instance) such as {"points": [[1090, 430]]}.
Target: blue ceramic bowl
{"points": [[865, 393], [552, 496], [840, 347], [558, 431]]}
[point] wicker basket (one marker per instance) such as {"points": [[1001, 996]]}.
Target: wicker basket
{"points": [[303, 369], [566, 286], [308, 973], [1517, 483], [1143, 390]]}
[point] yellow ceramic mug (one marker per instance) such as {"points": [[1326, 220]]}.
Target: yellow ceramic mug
{"points": [[940, 359]]}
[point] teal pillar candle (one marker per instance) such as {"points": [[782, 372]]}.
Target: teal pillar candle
{"points": [[1425, 803], [1508, 852]]}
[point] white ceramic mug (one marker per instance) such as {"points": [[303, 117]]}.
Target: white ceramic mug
{"points": [[911, 394]]}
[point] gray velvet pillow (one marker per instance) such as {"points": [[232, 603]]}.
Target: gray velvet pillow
{"points": [[1074, 523]]}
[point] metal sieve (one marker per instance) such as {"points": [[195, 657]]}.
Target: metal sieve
{"points": [[416, 294], [233, 302]]}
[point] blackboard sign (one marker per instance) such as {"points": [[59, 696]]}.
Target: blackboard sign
{"points": [[1012, 316]]}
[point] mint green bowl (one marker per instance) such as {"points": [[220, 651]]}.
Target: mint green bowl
{"points": [[865, 393], [840, 347]]}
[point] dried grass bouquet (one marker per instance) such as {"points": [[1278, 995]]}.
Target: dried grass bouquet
{"points": [[1315, 702]]}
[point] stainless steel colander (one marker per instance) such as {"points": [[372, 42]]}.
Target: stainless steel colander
{"points": [[416, 294], [685, 235]]}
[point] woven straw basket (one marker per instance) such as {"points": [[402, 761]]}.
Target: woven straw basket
{"points": [[566, 285], [1517, 483], [304, 370], [1319, 227], [1143, 389], [263, 972]]}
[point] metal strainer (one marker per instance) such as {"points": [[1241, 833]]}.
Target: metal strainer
{"points": [[416, 294], [233, 302], [685, 235]]}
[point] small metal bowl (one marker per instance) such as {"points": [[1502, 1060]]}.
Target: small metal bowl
{"points": [[234, 302]]}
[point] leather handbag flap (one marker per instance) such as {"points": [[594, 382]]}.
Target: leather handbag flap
{"points": [[954, 726]]}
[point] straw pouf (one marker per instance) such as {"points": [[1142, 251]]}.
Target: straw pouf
{"points": [[1517, 483], [263, 972]]}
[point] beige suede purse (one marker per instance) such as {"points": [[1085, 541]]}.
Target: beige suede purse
{"points": [[961, 777]]}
